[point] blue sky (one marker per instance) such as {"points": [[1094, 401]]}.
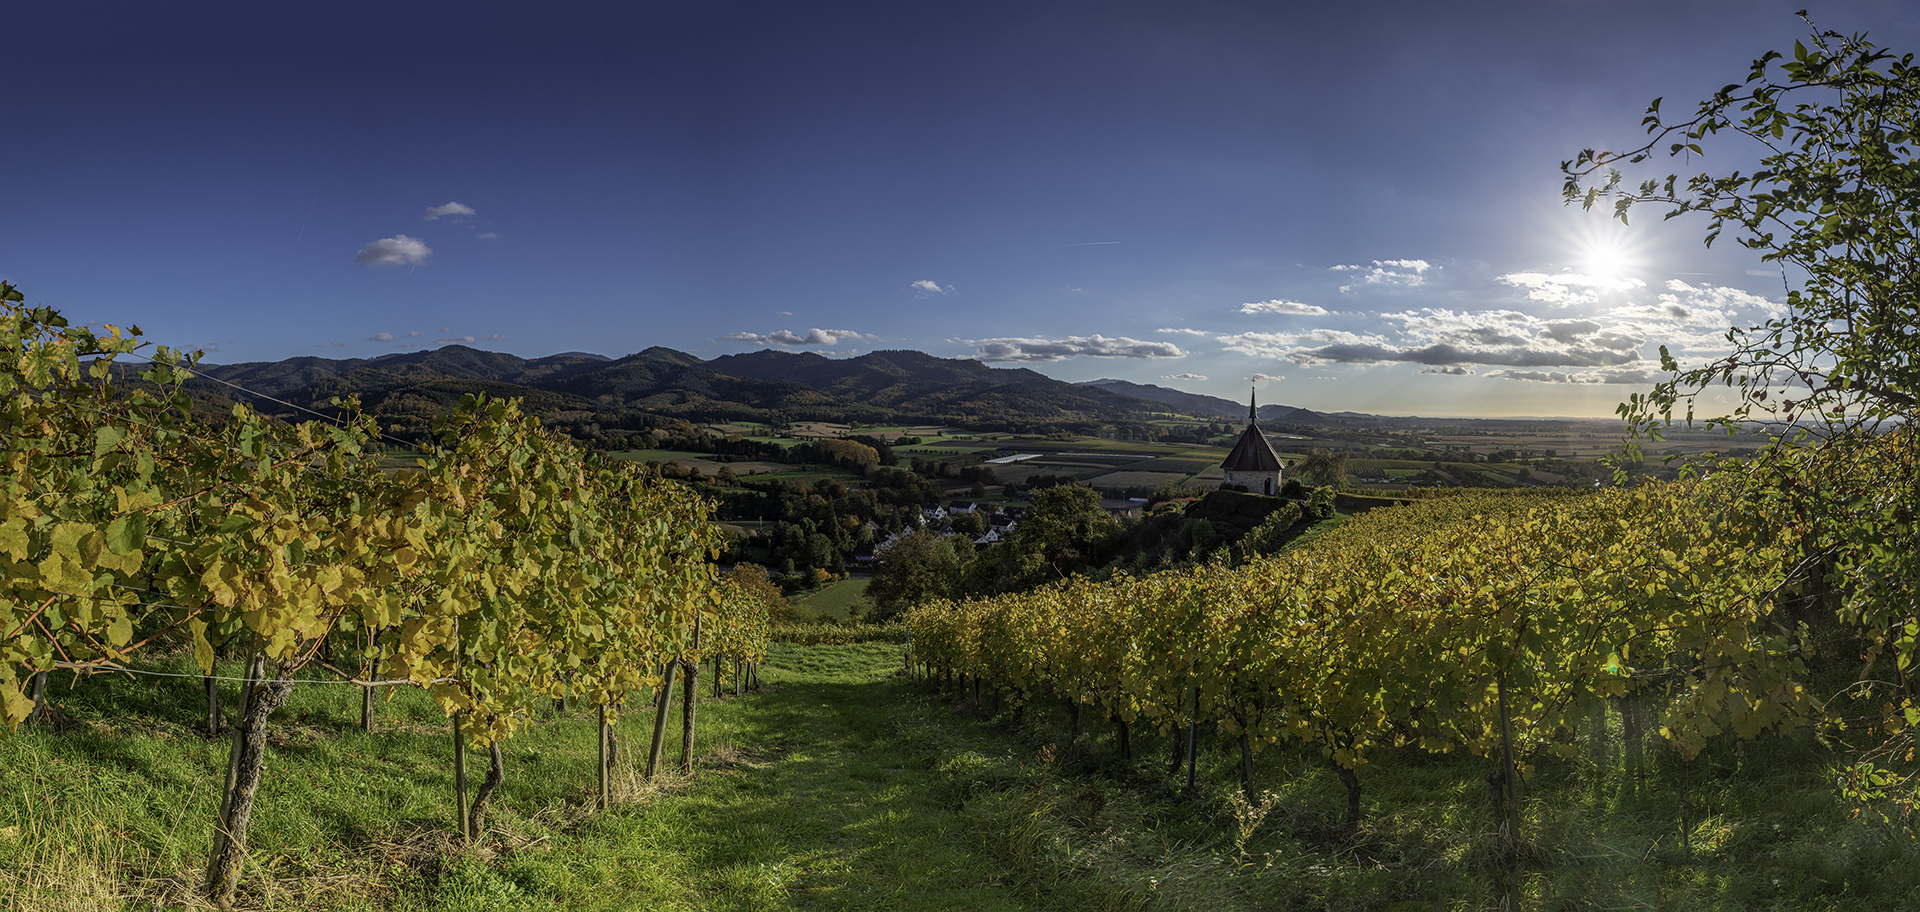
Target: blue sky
{"points": [[1358, 206]]}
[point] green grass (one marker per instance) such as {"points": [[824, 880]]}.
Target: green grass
{"points": [[835, 601], [846, 786]]}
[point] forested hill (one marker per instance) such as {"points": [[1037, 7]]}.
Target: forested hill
{"points": [[1201, 406], [406, 390]]}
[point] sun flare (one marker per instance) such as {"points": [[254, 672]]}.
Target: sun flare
{"points": [[1606, 252]]}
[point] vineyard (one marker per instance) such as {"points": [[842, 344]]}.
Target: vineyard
{"points": [[501, 579], [1516, 627], [503, 570]]}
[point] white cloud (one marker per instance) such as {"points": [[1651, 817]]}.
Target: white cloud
{"points": [[1190, 377], [1629, 376], [1096, 346], [785, 337], [455, 340], [380, 337], [1183, 332], [1455, 370], [498, 337], [1280, 345], [927, 288], [413, 335], [398, 250], [1278, 306], [1719, 298], [1266, 378], [338, 344], [454, 212], [489, 236], [1568, 288], [1439, 337], [1387, 273]]}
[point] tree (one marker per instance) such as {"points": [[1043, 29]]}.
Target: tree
{"points": [[1835, 378], [1058, 536], [920, 566], [1324, 466]]}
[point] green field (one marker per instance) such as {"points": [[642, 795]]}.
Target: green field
{"points": [[832, 601]]}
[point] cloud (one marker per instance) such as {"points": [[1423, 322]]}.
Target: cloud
{"points": [[785, 337], [1278, 306], [413, 335], [1443, 354], [1072, 346], [1568, 288], [398, 250], [453, 212], [1192, 377], [1279, 345], [1183, 332], [338, 344], [454, 340], [489, 236], [498, 337], [1635, 377], [380, 337], [1266, 378], [1718, 298], [926, 288], [1455, 370], [1567, 332], [1439, 337], [1387, 273]]}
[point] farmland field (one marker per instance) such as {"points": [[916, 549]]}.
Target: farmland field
{"points": [[706, 464], [834, 601], [1136, 479]]}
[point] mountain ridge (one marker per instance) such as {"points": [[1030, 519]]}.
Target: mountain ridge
{"points": [[879, 386]]}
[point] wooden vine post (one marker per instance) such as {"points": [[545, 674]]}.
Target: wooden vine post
{"points": [[689, 696], [366, 693], [662, 702], [460, 775], [1193, 737], [264, 696], [39, 714], [606, 733]]}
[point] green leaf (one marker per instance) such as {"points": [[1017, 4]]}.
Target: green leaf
{"points": [[127, 533], [106, 438]]}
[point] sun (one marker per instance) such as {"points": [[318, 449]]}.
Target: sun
{"points": [[1605, 261], [1607, 252]]}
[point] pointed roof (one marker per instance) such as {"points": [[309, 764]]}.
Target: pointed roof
{"points": [[1252, 452]]}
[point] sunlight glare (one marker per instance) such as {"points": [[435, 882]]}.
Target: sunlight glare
{"points": [[1606, 251]]}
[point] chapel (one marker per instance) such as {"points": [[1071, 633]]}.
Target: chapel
{"points": [[1252, 463]]}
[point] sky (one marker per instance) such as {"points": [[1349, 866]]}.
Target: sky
{"points": [[1350, 206]]}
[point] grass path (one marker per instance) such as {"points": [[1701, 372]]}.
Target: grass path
{"points": [[819, 813]]}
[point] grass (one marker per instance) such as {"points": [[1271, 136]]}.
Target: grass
{"points": [[835, 601], [846, 786]]}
